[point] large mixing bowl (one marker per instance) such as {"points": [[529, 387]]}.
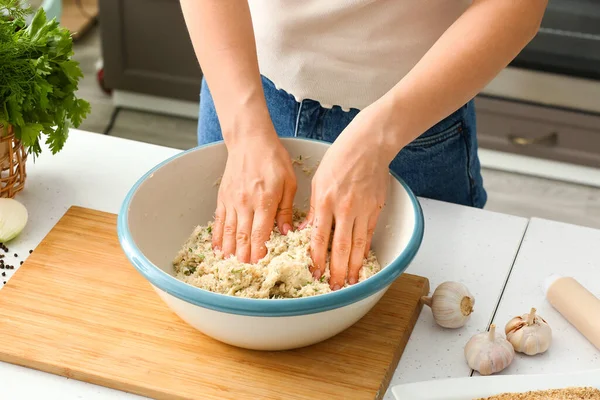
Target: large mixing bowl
{"points": [[165, 205]]}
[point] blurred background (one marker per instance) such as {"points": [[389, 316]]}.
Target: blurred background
{"points": [[538, 121]]}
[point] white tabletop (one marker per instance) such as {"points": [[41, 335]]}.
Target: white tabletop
{"points": [[81, 174], [463, 244], [552, 248], [471, 246]]}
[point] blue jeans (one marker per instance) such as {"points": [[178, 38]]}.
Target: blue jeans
{"points": [[440, 164]]}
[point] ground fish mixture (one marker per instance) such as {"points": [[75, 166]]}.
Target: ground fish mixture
{"points": [[282, 273]]}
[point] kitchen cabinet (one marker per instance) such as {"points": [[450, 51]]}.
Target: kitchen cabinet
{"points": [[147, 50], [538, 131]]}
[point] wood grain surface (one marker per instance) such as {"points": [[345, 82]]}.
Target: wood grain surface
{"points": [[77, 308]]}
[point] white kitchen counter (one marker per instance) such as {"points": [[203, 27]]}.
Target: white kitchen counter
{"points": [[553, 248], [472, 246], [462, 244]]}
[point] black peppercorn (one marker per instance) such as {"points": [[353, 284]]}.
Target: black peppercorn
{"points": [[4, 282], [21, 263], [30, 251], [3, 273], [16, 255]]}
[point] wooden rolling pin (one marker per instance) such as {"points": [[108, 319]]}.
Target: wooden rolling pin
{"points": [[577, 304]]}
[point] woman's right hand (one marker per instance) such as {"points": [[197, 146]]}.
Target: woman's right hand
{"points": [[257, 189]]}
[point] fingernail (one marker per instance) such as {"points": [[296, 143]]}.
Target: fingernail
{"points": [[286, 228], [317, 274], [352, 280], [336, 287]]}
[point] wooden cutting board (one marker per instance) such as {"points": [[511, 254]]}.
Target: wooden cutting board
{"points": [[77, 308]]}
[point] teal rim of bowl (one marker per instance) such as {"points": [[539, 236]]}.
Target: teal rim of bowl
{"points": [[264, 307]]}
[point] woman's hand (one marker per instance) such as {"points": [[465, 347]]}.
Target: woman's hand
{"points": [[348, 190], [258, 177], [257, 188]]}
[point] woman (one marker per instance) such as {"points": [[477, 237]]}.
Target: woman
{"points": [[389, 82]]}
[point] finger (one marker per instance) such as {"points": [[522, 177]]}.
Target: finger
{"points": [[371, 230], [261, 232], [217, 230], [340, 251], [311, 211], [242, 237], [309, 218], [319, 239], [359, 243], [286, 208], [229, 232]]}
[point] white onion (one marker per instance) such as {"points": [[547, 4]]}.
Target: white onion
{"points": [[13, 218]]}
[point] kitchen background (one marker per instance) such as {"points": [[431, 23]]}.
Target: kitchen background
{"points": [[538, 122]]}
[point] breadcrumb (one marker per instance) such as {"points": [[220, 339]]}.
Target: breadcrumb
{"points": [[575, 393]]}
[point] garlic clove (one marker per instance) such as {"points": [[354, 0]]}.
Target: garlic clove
{"points": [[489, 352], [529, 333], [451, 304]]}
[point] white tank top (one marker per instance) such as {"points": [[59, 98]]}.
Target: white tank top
{"points": [[346, 52]]}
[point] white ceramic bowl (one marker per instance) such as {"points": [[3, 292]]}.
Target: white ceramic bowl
{"points": [[165, 205]]}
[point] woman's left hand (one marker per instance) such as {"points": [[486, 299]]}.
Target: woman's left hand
{"points": [[348, 191]]}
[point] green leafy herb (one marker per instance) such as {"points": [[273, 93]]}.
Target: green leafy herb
{"points": [[15, 9], [190, 249], [209, 229], [236, 270], [38, 78], [322, 279]]}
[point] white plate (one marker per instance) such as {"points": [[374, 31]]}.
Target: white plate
{"points": [[484, 386]]}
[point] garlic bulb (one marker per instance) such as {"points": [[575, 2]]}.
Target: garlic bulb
{"points": [[529, 333], [451, 304], [489, 352]]}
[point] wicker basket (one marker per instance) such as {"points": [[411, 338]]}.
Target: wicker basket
{"points": [[12, 164]]}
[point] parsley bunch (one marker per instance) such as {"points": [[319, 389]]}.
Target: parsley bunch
{"points": [[38, 78]]}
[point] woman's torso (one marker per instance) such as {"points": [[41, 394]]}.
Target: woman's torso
{"points": [[346, 52]]}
